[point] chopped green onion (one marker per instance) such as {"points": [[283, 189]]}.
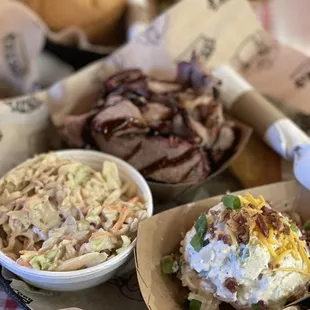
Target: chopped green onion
{"points": [[307, 225], [195, 304], [294, 227], [231, 202], [197, 242], [201, 225], [168, 265], [201, 228]]}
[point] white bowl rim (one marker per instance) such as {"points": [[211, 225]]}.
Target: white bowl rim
{"points": [[90, 270]]}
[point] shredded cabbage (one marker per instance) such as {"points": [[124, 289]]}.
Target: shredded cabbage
{"points": [[58, 214]]}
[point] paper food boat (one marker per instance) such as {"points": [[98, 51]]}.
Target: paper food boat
{"points": [[161, 235]]}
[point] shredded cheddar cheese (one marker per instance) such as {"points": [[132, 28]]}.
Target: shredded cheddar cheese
{"points": [[279, 244], [251, 200], [280, 257], [243, 200], [271, 240], [262, 204], [291, 241], [262, 200], [304, 255], [264, 242]]}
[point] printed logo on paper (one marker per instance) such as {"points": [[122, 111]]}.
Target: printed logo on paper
{"points": [[215, 4], [301, 74], [24, 298], [24, 105], [256, 52], [204, 47], [14, 56], [154, 34], [128, 286]]}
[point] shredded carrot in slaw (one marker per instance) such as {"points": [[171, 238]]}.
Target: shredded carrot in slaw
{"points": [[134, 199], [27, 252], [120, 221], [98, 234]]}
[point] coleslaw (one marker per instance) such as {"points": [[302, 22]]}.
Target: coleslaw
{"points": [[57, 214]]}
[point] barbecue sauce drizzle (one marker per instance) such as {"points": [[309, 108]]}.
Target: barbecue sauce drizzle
{"points": [[165, 162], [109, 128], [128, 87]]}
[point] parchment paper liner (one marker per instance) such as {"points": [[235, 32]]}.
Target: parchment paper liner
{"points": [[161, 235]]}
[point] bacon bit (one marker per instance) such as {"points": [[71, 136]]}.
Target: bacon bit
{"points": [[303, 238], [277, 266], [226, 239], [262, 225], [239, 224], [241, 219], [286, 230], [270, 266], [212, 231], [262, 306], [274, 218], [266, 210], [251, 206], [225, 216], [120, 221], [134, 199], [243, 237], [231, 284]]}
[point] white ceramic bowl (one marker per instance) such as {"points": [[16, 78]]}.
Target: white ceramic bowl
{"points": [[85, 278]]}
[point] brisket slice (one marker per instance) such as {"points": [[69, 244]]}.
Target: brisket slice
{"points": [[155, 113], [122, 117], [72, 129], [156, 149], [193, 169], [124, 146], [170, 160]]}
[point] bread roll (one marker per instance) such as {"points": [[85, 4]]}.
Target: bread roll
{"points": [[97, 18]]}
